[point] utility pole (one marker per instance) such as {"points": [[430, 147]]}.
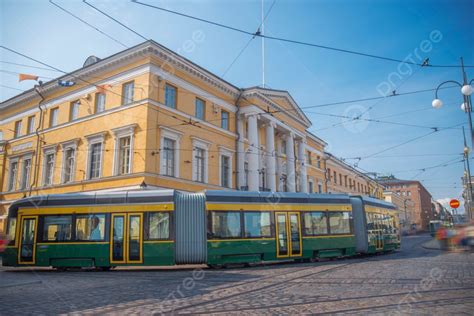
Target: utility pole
{"points": [[469, 184]]}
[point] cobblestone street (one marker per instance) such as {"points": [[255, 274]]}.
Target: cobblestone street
{"points": [[413, 280]]}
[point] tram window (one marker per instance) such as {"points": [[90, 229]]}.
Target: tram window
{"points": [[315, 223], [11, 229], [257, 224], [339, 222], [57, 228], [226, 224], [90, 227], [159, 225], [370, 221]]}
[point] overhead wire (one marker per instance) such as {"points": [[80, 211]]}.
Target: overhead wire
{"points": [[87, 23], [235, 29]]}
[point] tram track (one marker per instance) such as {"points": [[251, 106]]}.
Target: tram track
{"points": [[357, 298]]}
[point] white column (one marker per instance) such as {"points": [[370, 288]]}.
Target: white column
{"points": [[290, 163], [253, 153], [240, 153], [270, 144], [279, 169], [302, 162]]}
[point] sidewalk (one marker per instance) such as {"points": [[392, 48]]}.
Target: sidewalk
{"points": [[433, 244]]}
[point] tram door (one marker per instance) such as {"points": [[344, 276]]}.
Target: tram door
{"points": [[27, 247], [126, 238], [378, 231], [288, 234]]}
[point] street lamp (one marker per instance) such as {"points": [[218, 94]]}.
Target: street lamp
{"points": [[466, 90]]}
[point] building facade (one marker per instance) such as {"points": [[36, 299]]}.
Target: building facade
{"points": [[147, 117], [342, 178], [417, 193], [405, 207]]}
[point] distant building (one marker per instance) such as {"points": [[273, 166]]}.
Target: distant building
{"points": [[342, 178], [406, 208], [415, 191]]}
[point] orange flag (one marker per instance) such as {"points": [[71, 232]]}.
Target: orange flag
{"points": [[103, 87], [22, 77]]}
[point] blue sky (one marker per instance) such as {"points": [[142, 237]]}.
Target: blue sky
{"points": [[313, 76]]}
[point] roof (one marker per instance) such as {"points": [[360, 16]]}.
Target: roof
{"points": [[98, 198], [147, 47]]}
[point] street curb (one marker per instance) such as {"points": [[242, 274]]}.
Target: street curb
{"points": [[431, 245]]}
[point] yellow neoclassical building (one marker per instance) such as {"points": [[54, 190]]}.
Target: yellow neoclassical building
{"points": [[149, 118]]}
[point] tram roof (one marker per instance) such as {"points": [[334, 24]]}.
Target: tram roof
{"points": [[376, 202], [274, 197], [93, 198]]}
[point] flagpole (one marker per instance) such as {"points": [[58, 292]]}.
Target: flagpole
{"points": [[263, 48]]}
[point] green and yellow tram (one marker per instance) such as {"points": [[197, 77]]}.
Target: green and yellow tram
{"points": [[167, 227]]}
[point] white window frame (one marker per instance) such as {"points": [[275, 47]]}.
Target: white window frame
{"points": [[204, 145], [172, 134], [227, 153], [96, 103], [30, 124], [65, 147], [22, 177], [92, 140], [18, 127], [12, 182], [46, 152], [74, 110], [53, 119], [310, 180], [122, 132], [127, 99]]}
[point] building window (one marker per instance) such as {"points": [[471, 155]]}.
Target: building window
{"points": [[74, 110], [48, 168], [340, 179], [318, 162], [95, 160], [99, 102], [53, 117], [308, 158], [225, 171], [57, 228], [31, 125], [90, 227], [127, 92], [225, 119], [257, 224], [246, 176], [69, 164], [335, 177], [200, 109], [18, 126], [315, 223], [124, 155], [345, 181], [310, 187], [283, 146], [12, 178], [25, 174], [225, 225], [169, 157], [170, 96], [320, 188], [199, 167]]}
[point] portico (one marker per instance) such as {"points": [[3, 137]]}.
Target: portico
{"points": [[275, 156]]}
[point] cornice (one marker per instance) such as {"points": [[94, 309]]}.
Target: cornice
{"points": [[146, 49]]}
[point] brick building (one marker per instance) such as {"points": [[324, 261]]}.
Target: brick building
{"points": [[415, 191]]}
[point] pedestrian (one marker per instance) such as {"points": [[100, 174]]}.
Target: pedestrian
{"points": [[442, 237]]}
